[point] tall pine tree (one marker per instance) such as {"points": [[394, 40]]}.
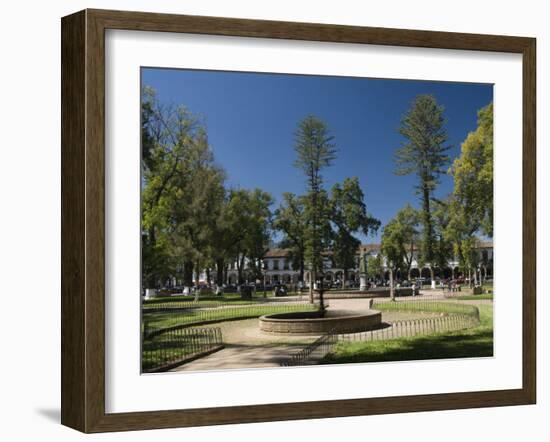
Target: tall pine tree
{"points": [[315, 151], [424, 154]]}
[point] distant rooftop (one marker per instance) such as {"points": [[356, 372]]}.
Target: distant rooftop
{"points": [[363, 248]]}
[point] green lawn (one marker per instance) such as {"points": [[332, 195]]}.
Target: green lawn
{"points": [[474, 342], [228, 298], [488, 296], [427, 306], [158, 320], [181, 301]]}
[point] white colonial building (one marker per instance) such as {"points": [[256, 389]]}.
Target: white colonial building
{"points": [[277, 265]]}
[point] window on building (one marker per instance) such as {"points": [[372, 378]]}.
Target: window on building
{"points": [[285, 264], [275, 264]]}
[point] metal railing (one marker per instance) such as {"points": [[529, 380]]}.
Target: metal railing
{"points": [[415, 327], [312, 352], [428, 306], [161, 352], [161, 320], [455, 317]]}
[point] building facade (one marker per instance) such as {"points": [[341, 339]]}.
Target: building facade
{"points": [[277, 265]]}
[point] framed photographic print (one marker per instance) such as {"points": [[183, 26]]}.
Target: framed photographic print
{"points": [[269, 220]]}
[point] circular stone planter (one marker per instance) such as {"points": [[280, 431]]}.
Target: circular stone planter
{"points": [[311, 323]]}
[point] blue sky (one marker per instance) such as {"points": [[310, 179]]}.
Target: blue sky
{"points": [[251, 119]]}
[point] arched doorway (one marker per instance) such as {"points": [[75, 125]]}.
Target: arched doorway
{"points": [[415, 273]]}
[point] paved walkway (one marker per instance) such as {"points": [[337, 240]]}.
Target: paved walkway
{"points": [[235, 356]]}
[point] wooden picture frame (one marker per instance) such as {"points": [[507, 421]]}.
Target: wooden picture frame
{"points": [[83, 220]]}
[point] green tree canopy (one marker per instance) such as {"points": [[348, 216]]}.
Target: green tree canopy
{"points": [[393, 248], [443, 250], [249, 214], [291, 221], [408, 220], [190, 222], [473, 173], [349, 216], [175, 152], [375, 267]]}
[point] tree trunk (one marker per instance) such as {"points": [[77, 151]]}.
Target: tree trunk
{"points": [[322, 300], [311, 282], [392, 292], [219, 271], [152, 278], [188, 273], [240, 268], [197, 281]]}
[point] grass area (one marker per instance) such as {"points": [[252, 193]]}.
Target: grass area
{"points": [[474, 342], [427, 306], [210, 300], [487, 287], [158, 320], [487, 296], [227, 298]]}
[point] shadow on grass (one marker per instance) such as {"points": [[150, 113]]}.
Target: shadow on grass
{"points": [[477, 343]]}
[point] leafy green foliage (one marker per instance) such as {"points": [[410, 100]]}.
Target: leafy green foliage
{"points": [[470, 208], [249, 217], [189, 220], [291, 221], [443, 248], [408, 221], [393, 244], [349, 215], [473, 173], [176, 157], [375, 267]]}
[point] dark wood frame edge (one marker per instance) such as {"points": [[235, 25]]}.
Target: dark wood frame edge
{"points": [[83, 214]]}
